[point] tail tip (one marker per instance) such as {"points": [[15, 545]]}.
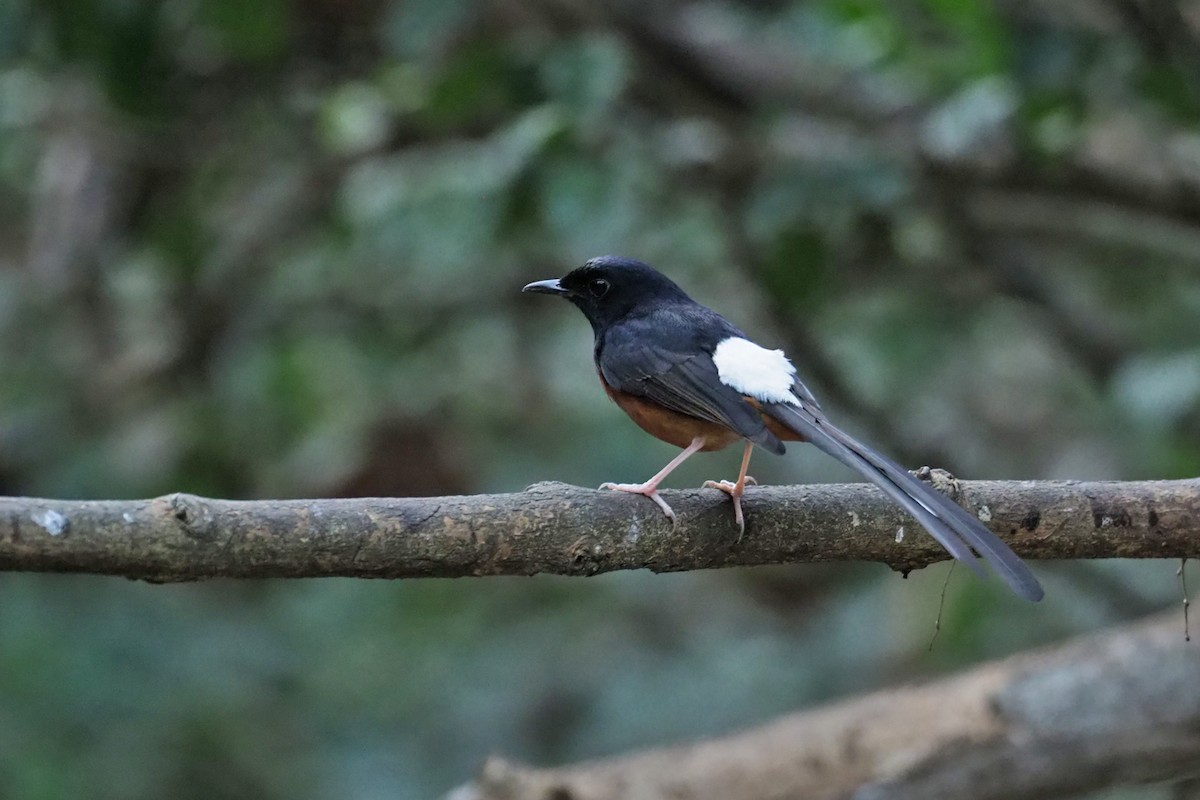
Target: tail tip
{"points": [[1025, 585], [1032, 592]]}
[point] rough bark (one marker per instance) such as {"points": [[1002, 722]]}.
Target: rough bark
{"points": [[567, 530], [1050, 724]]}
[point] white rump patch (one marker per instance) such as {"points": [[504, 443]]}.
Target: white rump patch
{"points": [[763, 374]]}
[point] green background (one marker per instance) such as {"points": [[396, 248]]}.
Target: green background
{"points": [[274, 249]]}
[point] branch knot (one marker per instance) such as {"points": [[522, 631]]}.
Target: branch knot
{"points": [[194, 516]]}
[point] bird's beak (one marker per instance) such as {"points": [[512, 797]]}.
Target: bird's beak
{"points": [[545, 287]]}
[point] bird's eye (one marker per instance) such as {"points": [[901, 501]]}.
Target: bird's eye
{"points": [[598, 288]]}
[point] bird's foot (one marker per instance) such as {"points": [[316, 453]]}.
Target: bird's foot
{"points": [[646, 489], [735, 492]]}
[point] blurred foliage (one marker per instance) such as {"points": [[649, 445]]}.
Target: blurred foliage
{"points": [[274, 249]]}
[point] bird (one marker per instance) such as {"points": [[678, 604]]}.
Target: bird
{"points": [[689, 377]]}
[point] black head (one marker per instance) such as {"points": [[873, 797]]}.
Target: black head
{"points": [[608, 288]]}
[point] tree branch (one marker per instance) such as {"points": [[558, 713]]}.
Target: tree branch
{"points": [[1041, 725], [567, 530]]}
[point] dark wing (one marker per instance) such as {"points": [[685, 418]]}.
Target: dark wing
{"points": [[681, 376], [805, 396]]}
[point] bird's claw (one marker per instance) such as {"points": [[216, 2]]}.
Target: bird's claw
{"points": [[645, 490], [735, 493], [727, 486]]}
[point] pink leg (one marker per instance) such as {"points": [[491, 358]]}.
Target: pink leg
{"points": [[735, 490], [650, 487]]}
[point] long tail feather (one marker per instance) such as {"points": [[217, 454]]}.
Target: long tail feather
{"points": [[945, 520]]}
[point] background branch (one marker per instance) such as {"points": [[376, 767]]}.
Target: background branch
{"points": [[568, 530], [1040, 725]]}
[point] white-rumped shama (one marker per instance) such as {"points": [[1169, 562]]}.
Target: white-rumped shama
{"points": [[686, 375]]}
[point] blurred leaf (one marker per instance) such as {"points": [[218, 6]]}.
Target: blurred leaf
{"points": [[14, 17], [1160, 389], [588, 204], [798, 270], [587, 76], [478, 87], [972, 122], [121, 39], [982, 46], [1173, 91], [421, 29], [356, 118], [439, 209], [251, 31]]}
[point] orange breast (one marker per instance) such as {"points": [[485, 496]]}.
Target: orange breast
{"points": [[680, 429]]}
